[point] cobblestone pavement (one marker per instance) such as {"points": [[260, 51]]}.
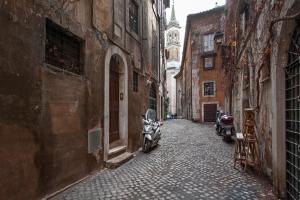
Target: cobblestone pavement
{"points": [[192, 162]]}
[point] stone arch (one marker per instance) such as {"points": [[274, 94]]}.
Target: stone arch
{"points": [[115, 52]]}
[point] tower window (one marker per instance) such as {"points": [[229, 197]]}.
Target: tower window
{"points": [[133, 16], [63, 49]]}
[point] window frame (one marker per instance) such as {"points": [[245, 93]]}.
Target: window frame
{"points": [[211, 41], [153, 97], [212, 64], [64, 36], [203, 88], [138, 15]]}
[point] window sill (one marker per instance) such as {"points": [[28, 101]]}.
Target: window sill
{"points": [[208, 69], [57, 70], [209, 95], [208, 53]]}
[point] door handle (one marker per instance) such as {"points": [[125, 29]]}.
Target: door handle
{"points": [[298, 99]]}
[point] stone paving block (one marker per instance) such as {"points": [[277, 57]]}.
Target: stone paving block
{"points": [[191, 162]]}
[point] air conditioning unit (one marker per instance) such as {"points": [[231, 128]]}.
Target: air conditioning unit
{"points": [[94, 140]]}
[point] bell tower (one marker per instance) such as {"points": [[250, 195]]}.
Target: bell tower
{"points": [[173, 59], [173, 37]]}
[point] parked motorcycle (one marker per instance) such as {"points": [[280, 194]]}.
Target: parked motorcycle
{"points": [[151, 130], [225, 126]]}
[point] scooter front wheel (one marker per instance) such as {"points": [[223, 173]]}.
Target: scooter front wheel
{"points": [[146, 146]]}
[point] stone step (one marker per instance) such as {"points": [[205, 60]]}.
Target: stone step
{"points": [[114, 152], [119, 160]]}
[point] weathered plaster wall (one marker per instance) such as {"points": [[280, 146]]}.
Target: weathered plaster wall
{"points": [[263, 89], [186, 81], [44, 114]]}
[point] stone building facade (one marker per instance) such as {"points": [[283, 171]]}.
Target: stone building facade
{"points": [[173, 59], [261, 63], [75, 76], [200, 80]]}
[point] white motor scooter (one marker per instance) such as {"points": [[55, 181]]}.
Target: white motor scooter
{"points": [[151, 130]]}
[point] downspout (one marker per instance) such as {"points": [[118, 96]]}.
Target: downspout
{"points": [[191, 63]]}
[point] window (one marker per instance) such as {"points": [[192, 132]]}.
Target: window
{"points": [[208, 43], [63, 49], [209, 88], [133, 16], [135, 81], [152, 97], [208, 62], [155, 51]]}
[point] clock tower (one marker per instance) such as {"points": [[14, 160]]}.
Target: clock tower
{"points": [[173, 59]]}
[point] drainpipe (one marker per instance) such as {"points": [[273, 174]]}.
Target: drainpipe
{"points": [[191, 81]]}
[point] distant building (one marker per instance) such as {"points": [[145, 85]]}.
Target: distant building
{"points": [[200, 81], [173, 59]]}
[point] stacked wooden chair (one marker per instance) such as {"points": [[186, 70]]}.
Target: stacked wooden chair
{"points": [[246, 147]]}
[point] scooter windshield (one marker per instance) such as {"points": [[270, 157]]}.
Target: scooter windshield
{"points": [[150, 114]]}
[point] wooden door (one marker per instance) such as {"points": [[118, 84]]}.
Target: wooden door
{"points": [[114, 106], [210, 111]]}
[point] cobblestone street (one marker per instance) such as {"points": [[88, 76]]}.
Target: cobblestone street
{"points": [[192, 162]]}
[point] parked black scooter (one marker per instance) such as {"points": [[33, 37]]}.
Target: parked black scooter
{"points": [[225, 126]]}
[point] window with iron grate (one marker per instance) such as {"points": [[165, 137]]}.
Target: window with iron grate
{"points": [[209, 88], [135, 81], [134, 16], [63, 49], [152, 97]]}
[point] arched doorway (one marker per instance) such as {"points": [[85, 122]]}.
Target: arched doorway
{"points": [[115, 102], [115, 73], [292, 89]]}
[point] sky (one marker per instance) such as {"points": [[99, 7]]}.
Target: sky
{"points": [[185, 7]]}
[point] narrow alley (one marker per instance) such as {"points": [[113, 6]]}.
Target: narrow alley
{"points": [[191, 162]]}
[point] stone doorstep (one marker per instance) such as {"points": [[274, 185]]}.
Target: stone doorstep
{"points": [[119, 160], [114, 152]]}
